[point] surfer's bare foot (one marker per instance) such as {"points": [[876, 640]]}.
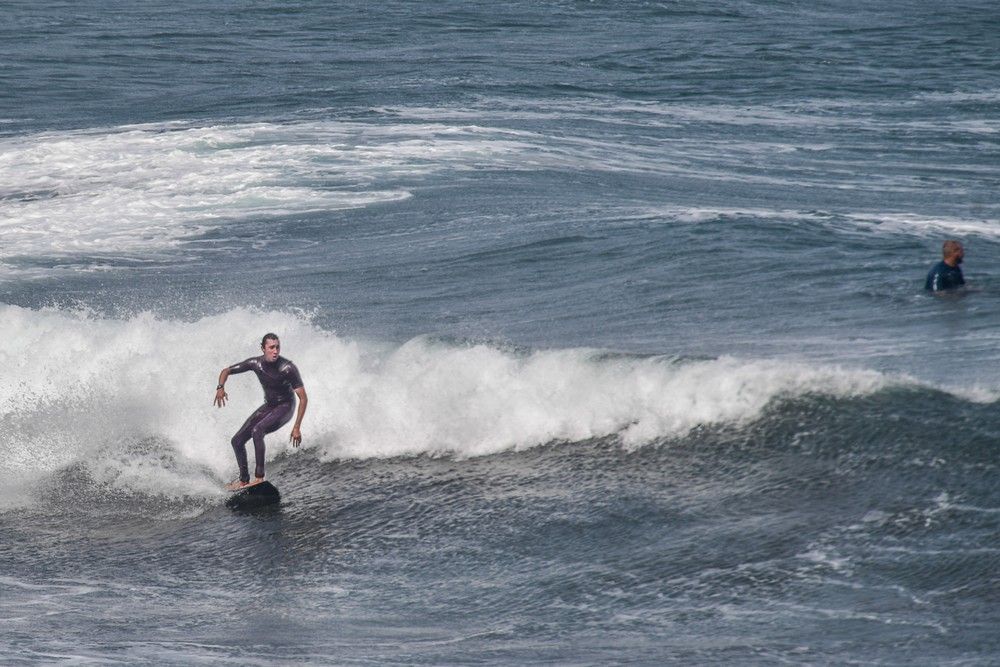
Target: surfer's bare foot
{"points": [[256, 480], [236, 485]]}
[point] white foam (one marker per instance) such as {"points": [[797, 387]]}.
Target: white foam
{"points": [[962, 96], [809, 114], [824, 558], [873, 222], [798, 161], [130, 400], [635, 113], [133, 191], [140, 191], [925, 225]]}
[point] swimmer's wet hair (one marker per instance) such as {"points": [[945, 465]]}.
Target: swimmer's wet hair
{"points": [[267, 337]]}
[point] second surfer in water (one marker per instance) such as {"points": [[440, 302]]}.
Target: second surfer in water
{"points": [[281, 382]]}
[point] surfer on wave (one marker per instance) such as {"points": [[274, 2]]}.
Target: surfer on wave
{"points": [[281, 382]]}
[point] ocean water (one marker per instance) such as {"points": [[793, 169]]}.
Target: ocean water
{"points": [[610, 315]]}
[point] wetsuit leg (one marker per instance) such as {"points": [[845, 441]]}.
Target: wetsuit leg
{"points": [[276, 417], [265, 419]]}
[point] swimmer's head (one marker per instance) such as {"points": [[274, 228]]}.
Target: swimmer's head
{"points": [[952, 252], [271, 347]]}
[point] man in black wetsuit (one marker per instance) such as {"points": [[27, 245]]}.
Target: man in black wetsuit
{"points": [[946, 274], [281, 382]]}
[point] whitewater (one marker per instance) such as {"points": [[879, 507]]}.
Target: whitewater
{"points": [[99, 385]]}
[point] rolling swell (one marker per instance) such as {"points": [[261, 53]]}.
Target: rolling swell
{"points": [[726, 531]]}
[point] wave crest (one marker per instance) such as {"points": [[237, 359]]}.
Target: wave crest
{"points": [[83, 390]]}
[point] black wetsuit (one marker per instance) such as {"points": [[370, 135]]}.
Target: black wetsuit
{"points": [[279, 380], [942, 276]]}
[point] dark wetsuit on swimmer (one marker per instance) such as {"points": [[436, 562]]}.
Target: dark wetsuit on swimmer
{"points": [[942, 277], [279, 380]]}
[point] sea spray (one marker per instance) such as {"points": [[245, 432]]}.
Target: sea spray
{"points": [[109, 393]]}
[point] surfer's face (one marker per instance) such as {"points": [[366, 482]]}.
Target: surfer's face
{"points": [[271, 349]]}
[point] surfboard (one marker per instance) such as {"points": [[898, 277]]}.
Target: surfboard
{"points": [[251, 497]]}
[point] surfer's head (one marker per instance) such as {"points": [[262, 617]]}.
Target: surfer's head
{"points": [[271, 347], [952, 252]]}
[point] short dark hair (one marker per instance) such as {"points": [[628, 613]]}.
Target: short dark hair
{"points": [[267, 337]]}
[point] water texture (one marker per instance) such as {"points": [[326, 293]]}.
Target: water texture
{"points": [[610, 315]]}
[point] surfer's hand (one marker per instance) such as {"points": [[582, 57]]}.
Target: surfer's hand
{"points": [[220, 397], [296, 437]]}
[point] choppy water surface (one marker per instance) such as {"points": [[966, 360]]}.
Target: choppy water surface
{"points": [[610, 316]]}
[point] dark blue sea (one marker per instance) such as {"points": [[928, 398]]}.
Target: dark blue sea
{"points": [[610, 314]]}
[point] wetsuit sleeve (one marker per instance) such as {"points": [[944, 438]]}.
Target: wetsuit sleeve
{"points": [[241, 367], [294, 379]]}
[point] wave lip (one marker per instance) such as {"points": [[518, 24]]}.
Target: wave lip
{"points": [[475, 400], [127, 403], [130, 400]]}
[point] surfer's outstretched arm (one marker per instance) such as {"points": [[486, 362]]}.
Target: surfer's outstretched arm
{"points": [[220, 390], [296, 436]]}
